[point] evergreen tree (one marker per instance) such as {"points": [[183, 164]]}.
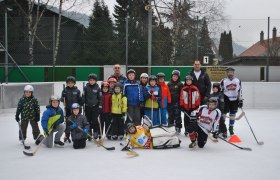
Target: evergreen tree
{"points": [[205, 43], [225, 46]]}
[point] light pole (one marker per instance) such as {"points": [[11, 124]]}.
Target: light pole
{"points": [[150, 13]]}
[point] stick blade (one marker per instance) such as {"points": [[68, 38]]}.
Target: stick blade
{"points": [[109, 148], [260, 143], [28, 153], [247, 148]]}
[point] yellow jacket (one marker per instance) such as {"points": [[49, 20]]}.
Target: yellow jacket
{"points": [[141, 139], [119, 103]]}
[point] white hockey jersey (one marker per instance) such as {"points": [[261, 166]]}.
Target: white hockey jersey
{"points": [[208, 120], [232, 88]]}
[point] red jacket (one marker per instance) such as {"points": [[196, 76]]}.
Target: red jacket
{"points": [[106, 102], [165, 94], [189, 97]]}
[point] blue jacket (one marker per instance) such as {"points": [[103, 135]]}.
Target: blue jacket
{"points": [[52, 118], [132, 90]]}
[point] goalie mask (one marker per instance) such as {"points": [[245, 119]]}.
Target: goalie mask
{"points": [[131, 128], [212, 103]]}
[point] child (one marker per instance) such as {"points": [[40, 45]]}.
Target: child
{"points": [[119, 108], [111, 82], [203, 123], [29, 110], [232, 89], [79, 136], [143, 82], [105, 115], [71, 94], [52, 121], [189, 100], [134, 94], [220, 97], [153, 97], [174, 111], [93, 104], [165, 98]]}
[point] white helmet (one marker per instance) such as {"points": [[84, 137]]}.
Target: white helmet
{"points": [[29, 88], [144, 75]]}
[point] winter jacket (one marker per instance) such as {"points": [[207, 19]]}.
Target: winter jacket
{"points": [[175, 90], [29, 108], [107, 102], [165, 95], [149, 103], [119, 103], [203, 83], [70, 96], [92, 95], [120, 78], [51, 118], [133, 92], [189, 97], [81, 120], [221, 101]]}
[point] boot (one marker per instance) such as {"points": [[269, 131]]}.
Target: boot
{"points": [[224, 135], [193, 144], [115, 137], [59, 143], [178, 131], [95, 135], [230, 129], [67, 137]]}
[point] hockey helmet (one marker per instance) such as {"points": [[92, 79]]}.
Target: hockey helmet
{"points": [[75, 106], [212, 103], [129, 127], [152, 77], [118, 84], [144, 75], [160, 74], [54, 98], [71, 79], [28, 88], [130, 71], [104, 84], [217, 85], [176, 72], [92, 76], [188, 77], [112, 79]]}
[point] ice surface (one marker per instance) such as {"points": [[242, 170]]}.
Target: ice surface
{"points": [[215, 161]]}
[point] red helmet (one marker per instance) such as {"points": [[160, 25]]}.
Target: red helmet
{"points": [[112, 79], [104, 84]]}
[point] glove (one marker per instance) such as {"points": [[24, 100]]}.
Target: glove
{"points": [[85, 131], [215, 134], [74, 125], [46, 132], [194, 116], [240, 103], [17, 118], [152, 91]]}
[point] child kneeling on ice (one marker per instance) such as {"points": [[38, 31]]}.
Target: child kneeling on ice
{"points": [[154, 138], [79, 127]]}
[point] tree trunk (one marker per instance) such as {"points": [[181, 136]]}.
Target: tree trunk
{"points": [[57, 39]]}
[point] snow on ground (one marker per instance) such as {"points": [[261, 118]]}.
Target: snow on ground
{"points": [[215, 161]]}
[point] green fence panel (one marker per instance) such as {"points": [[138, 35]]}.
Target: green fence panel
{"points": [[83, 72], [34, 74], [61, 73], [167, 70]]}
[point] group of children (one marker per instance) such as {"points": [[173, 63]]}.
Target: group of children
{"points": [[107, 107]]}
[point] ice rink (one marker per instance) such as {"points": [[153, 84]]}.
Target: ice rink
{"points": [[215, 161]]}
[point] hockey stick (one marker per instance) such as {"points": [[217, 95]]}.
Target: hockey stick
{"points": [[235, 118], [243, 148], [100, 129], [22, 139], [131, 152], [259, 142], [95, 141]]}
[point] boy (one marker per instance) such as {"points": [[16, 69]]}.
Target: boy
{"points": [[143, 82], [189, 100], [29, 110], [79, 136], [134, 94], [93, 104], [153, 97], [203, 123], [119, 108], [105, 115], [221, 103], [232, 89], [174, 112], [71, 94], [165, 98], [52, 121]]}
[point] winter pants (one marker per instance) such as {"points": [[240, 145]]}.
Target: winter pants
{"points": [[92, 115], [35, 129], [187, 120], [174, 116], [79, 143], [118, 125], [155, 118], [163, 114], [49, 139], [196, 133], [106, 119], [134, 112]]}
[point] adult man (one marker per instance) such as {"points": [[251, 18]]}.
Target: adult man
{"points": [[201, 80], [117, 74]]}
